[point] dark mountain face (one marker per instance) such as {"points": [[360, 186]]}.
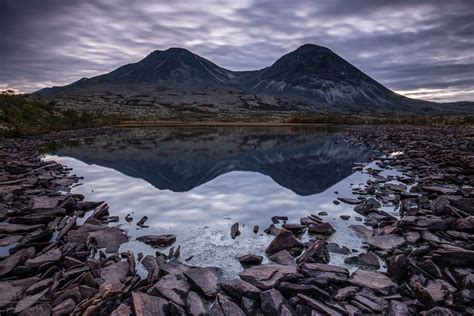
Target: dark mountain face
{"points": [[311, 72], [318, 73]]}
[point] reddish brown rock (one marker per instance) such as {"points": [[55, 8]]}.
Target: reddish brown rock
{"points": [[284, 240]]}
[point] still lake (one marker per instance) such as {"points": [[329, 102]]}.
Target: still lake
{"points": [[195, 182]]}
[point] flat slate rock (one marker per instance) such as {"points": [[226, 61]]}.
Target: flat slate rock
{"points": [[386, 242], [205, 279], [147, 305], [283, 257], [350, 200], [158, 240], [238, 288], [114, 272], [362, 231], [195, 305], [51, 256], [106, 237], [9, 228], [266, 276], [373, 280], [173, 287], [18, 258], [284, 240], [223, 306]]}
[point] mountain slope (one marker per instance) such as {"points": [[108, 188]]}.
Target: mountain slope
{"points": [[319, 74]]}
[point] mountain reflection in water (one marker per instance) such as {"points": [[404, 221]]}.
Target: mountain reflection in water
{"points": [[304, 160]]}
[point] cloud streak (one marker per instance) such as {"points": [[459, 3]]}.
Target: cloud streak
{"points": [[423, 47]]}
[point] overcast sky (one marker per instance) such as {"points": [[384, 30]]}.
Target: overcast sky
{"points": [[423, 49]]}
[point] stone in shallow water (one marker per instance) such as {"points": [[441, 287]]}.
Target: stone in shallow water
{"points": [[373, 280], [284, 240], [321, 228], [386, 242], [350, 200], [362, 231], [250, 260], [234, 230], [266, 276], [158, 240], [316, 252], [205, 279]]}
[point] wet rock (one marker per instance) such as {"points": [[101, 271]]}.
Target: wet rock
{"points": [[362, 231], [18, 258], [350, 200], [277, 219], [158, 241], [398, 267], [205, 279], [325, 273], [255, 229], [223, 306], [283, 257], [267, 276], [51, 256], [234, 230], [322, 213], [345, 293], [250, 260], [173, 287], [239, 288], [317, 305], [29, 301], [333, 247], [106, 237], [195, 305], [325, 229], [8, 228], [141, 222], [271, 301], [271, 230], [368, 259], [316, 252], [386, 242], [344, 217], [8, 240], [296, 229], [146, 305], [65, 308], [373, 280], [284, 240], [114, 272]]}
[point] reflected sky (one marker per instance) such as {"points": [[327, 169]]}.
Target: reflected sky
{"points": [[260, 174]]}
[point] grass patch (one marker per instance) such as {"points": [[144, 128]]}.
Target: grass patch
{"points": [[21, 116]]}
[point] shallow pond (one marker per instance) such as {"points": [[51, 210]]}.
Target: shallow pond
{"points": [[196, 182]]}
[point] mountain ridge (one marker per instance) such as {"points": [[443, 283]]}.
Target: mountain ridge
{"points": [[311, 75]]}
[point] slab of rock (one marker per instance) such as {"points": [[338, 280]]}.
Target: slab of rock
{"points": [[250, 260], [316, 252], [8, 228], [29, 301], [296, 229], [325, 272], [234, 230], [158, 240], [115, 272], [386, 242], [345, 292], [368, 259], [223, 306], [397, 268], [124, 310], [195, 305], [317, 305], [18, 258], [10, 293], [147, 305], [54, 255], [350, 200], [284, 240], [271, 301], [11, 239], [266, 277], [333, 247], [238, 288], [283, 257], [325, 229], [106, 237], [373, 280], [173, 287], [47, 201], [205, 279], [66, 307], [362, 231]]}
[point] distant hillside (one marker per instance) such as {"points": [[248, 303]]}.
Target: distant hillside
{"points": [[310, 79]]}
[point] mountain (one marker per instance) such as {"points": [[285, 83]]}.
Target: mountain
{"points": [[317, 73], [310, 79]]}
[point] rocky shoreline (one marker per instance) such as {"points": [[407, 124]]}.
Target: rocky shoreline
{"points": [[60, 253]]}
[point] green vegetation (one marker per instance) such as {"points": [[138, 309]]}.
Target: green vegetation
{"points": [[20, 116]]}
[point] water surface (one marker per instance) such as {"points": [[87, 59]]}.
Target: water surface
{"points": [[196, 182]]}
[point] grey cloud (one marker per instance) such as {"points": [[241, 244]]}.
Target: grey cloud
{"points": [[404, 44]]}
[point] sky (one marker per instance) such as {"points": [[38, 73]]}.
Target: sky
{"points": [[422, 49]]}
